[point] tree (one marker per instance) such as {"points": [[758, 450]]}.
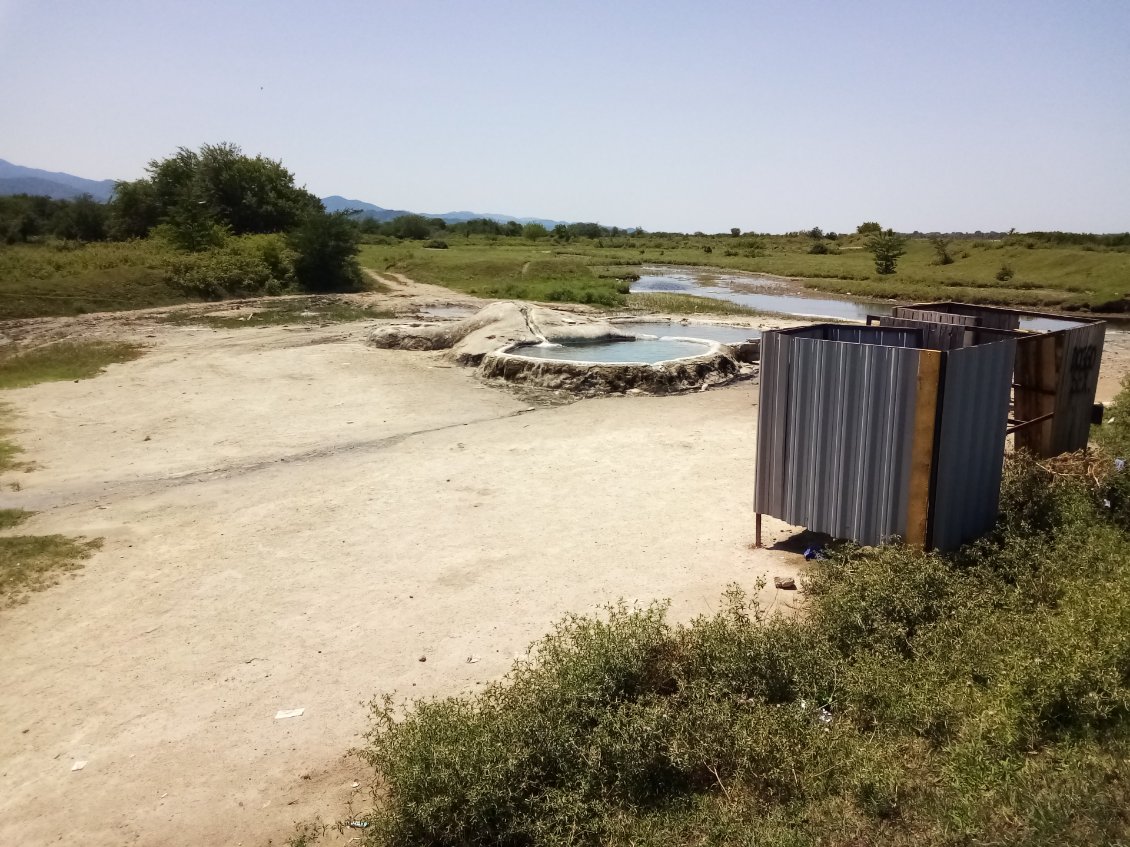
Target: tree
{"points": [[243, 194], [326, 246], [941, 250], [735, 231], [868, 227], [886, 247], [534, 231], [83, 219], [133, 209], [410, 226], [815, 233]]}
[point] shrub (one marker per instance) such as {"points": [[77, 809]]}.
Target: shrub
{"points": [[244, 267], [1005, 273], [887, 247], [326, 248]]}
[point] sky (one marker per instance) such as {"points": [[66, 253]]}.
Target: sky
{"points": [[768, 116]]}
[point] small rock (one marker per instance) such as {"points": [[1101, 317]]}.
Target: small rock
{"points": [[423, 658], [785, 583]]}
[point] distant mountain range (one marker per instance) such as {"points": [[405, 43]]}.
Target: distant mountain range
{"points": [[337, 203], [16, 179]]}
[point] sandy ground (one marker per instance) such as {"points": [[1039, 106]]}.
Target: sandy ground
{"points": [[293, 520]]}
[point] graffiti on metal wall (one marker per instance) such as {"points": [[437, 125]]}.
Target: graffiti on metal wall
{"points": [[1079, 369]]}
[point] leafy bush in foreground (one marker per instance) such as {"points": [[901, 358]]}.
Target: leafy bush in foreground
{"points": [[976, 698]]}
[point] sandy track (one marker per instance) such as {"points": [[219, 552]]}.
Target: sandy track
{"points": [[292, 520]]}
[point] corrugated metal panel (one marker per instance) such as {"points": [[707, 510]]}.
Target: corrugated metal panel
{"points": [[971, 433], [930, 316], [772, 433], [935, 336], [987, 316], [884, 336], [834, 432]]}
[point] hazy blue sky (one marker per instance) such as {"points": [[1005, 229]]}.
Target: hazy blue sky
{"points": [[686, 116]]}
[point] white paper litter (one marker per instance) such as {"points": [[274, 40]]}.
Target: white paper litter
{"points": [[288, 713], [78, 766]]}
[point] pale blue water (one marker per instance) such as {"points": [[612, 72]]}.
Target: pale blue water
{"points": [[741, 288], [735, 288], [644, 351], [711, 332]]}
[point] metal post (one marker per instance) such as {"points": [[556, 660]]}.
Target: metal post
{"points": [[757, 530]]}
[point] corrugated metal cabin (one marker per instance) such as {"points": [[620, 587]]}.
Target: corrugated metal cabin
{"points": [[876, 432], [1056, 373]]}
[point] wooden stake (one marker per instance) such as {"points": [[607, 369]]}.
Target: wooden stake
{"points": [[922, 447]]}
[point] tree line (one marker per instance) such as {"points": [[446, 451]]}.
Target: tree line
{"points": [[420, 228]]}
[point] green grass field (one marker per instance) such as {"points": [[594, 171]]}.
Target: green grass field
{"points": [[593, 271], [66, 279]]}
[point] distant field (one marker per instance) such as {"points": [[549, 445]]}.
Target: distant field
{"points": [[587, 271], [67, 279]]}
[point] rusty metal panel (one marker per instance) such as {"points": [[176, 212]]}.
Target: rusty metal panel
{"points": [[834, 432], [1036, 384], [1078, 363], [935, 335], [971, 433]]}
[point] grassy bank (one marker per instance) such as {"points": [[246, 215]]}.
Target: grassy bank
{"points": [[593, 270], [315, 311], [64, 360], [69, 278], [66, 278], [30, 563], [975, 698]]}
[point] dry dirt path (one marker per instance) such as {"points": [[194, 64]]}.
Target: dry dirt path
{"points": [[292, 520]]}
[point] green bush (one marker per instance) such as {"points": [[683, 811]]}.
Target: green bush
{"points": [[244, 267]]}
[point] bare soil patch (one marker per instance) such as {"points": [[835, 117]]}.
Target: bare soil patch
{"points": [[290, 520]]}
